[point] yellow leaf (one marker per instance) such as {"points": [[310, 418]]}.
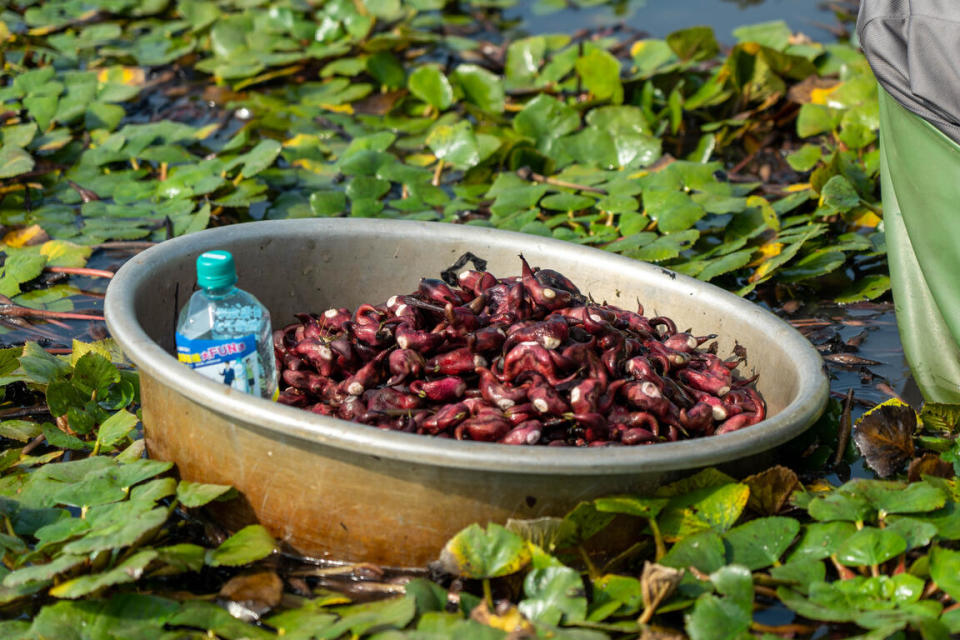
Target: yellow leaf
{"points": [[134, 76], [107, 348], [205, 132], [302, 140], [766, 210], [26, 237], [338, 108], [751, 48], [822, 96], [320, 168], [867, 219], [510, 620], [421, 159], [61, 253], [793, 188], [766, 251]]}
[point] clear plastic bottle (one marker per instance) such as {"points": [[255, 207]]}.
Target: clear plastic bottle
{"points": [[224, 333]]}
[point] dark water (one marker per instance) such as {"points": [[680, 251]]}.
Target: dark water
{"points": [[661, 17]]}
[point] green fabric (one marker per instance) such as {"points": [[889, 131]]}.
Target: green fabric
{"points": [[920, 183]]}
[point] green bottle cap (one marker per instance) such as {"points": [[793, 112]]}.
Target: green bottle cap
{"points": [[215, 270]]}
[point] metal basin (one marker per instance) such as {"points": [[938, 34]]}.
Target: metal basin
{"points": [[347, 492]]}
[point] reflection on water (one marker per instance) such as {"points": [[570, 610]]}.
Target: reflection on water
{"points": [[660, 17]]}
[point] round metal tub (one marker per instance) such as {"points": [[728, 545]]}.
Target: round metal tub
{"points": [[348, 492]]}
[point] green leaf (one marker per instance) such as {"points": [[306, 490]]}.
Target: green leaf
{"points": [[840, 506], [129, 570], [430, 85], [709, 509], [328, 203], [554, 594], [115, 428], [736, 583], [898, 497], [19, 430], [672, 210], [775, 34], [42, 572], [196, 494], [865, 288], [94, 374], [455, 144], [838, 195], [945, 570], [805, 158], [630, 132], [760, 543], [599, 72], [259, 158], [716, 618], [567, 202], [40, 366], [632, 505], [701, 550], [387, 70], [478, 553], [800, 572], [544, 119], [480, 87], [668, 246], [248, 545], [870, 546], [695, 43], [815, 119], [820, 540], [19, 268], [917, 533], [14, 161]]}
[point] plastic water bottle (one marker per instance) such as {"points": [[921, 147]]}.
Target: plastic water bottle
{"points": [[224, 333]]}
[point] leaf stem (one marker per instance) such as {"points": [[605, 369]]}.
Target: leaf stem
{"points": [[657, 539], [488, 593]]}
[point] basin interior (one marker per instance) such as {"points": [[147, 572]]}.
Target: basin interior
{"points": [[295, 272]]}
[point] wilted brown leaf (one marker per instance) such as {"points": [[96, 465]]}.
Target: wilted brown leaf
{"points": [[770, 490], [657, 582], [929, 464], [250, 595], [885, 436]]}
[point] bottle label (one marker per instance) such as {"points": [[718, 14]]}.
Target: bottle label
{"points": [[232, 361]]}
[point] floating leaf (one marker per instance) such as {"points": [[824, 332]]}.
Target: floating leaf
{"points": [[711, 508], [456, 144], [866, 288], [14, 161], [430, 85], [479, 553], [945, 570], [761, 542], [480, 87], [554, 594], [701, 550], [129, 570], [248, 545], [196, 494], [884, 435], [870, 546]]}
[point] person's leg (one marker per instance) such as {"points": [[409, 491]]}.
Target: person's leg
{"points": [[928, 343]]}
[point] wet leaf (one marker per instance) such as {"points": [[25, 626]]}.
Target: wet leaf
{"points": [[716, 618], [760, 543], [554, 594], [870, 546], [455, 144], [599, 72], [430, 85], [248, 545], [885, 436], [711, 508], [820, 540], [480, 87], [917, 533], [479, 553], [701, 550]]}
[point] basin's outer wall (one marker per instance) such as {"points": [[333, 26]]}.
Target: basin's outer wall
{"points": [[347, 504], [342, 506]]}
